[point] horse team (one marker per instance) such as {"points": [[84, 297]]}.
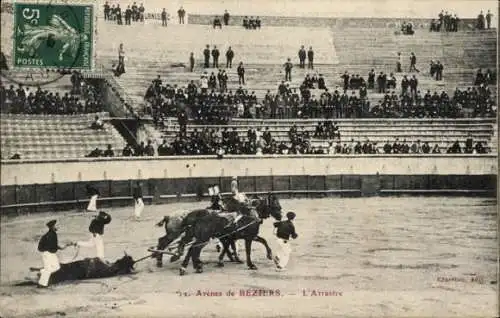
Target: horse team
{"points": [[227, 220]]}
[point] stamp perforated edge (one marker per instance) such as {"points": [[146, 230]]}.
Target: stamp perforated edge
{"points": [[95, 33]]}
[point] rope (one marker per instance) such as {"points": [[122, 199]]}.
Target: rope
{"points": [[225, 235]]}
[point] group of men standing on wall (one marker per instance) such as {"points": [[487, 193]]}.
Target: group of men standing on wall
{"points": [[132, 13]]}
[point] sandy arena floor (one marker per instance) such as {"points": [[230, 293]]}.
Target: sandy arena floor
{"points": [[393, 257]]}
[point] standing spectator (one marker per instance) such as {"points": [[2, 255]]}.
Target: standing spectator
{"points": [[3, 62], [138, 202], [128, 15], [226, 17], [241, 74], [215, 56], [164, 17], [106, 11], [206, 54], [310, 57], [121, 54], [229, 58], [118, 12], [413, 86], [191, 62], [404, 85], [439, 71], [381, 81], [371, 79], [480, 21], [181, 13], [141, 12], [488, 19], [302, 57], [398, 64], [413, 63], [288, 69]]}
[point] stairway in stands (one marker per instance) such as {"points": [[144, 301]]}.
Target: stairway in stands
{"points": [[56, 136]]}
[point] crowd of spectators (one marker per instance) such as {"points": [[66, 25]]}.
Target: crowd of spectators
{"points": [[407, 28], [252, 23], [133, 13], [485, 78], [83, 97], [220, 142], [446, 22], [484, 21]]}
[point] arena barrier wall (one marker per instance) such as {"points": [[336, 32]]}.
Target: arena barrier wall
{"points": [[36, 186]]}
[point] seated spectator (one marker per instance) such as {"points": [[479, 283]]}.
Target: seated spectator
{"points": [[479, 149], [426, 148], [16, 156], [217, 23], [416, 147], [455, 148], [95, 153], [436, 149], [387, 147], [128, 151], [391, 81], [108, 152], [97, 124], [257, 23], [245, 22]]}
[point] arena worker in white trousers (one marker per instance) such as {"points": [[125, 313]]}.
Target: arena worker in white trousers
{"points": [[48, 247], [139, 203], [284, 229], [94, 194], [96, 230]]}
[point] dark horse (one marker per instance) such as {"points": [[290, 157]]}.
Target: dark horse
{"points": [[213, 225], [91, 268], [177, 224]]}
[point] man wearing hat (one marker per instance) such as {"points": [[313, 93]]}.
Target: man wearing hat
{"points": [[96, 230], [284, 229], [48, 247]]}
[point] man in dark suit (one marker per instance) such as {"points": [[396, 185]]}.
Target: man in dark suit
{"points": [[206, 55], [215, 56], [241, 74], [310, 57], [226, 17], [288, 69], [302, 57], [229, 58]]}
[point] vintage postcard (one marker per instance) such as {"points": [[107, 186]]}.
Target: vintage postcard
{"points": [[231, 158]]}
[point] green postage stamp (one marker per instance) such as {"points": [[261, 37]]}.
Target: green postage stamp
{"points": [[49, 35]]}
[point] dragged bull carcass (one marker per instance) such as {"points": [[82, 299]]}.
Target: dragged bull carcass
{"points": [[91, 268], [249, 216]]}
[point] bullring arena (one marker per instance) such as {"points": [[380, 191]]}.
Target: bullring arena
{"points": [[386, 227]]}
